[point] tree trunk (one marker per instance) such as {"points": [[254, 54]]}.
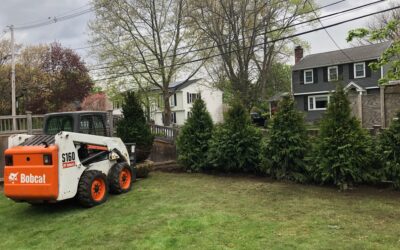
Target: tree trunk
{"points": [[167, 110]]}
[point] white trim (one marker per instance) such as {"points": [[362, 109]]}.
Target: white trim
{"points": [[381, 72], [355, 85], [355, 72], [372, 87], [312, 76], [311, 93], [313, 97], [337, 73]]}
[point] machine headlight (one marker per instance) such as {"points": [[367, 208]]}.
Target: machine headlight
{"points": [[47, 159]]}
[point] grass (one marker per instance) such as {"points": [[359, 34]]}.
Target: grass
{"points": [[196, 211]]}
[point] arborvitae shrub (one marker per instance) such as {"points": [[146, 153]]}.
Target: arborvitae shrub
{"points": [[344, 152], [133, 126], [235, 144], [194, 137], [389, 151], [286, 144]]}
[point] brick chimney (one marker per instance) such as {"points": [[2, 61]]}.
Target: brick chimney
{"points": [[298, 54]]}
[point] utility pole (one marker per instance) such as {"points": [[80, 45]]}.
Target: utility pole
{"points": [[13, 107]]}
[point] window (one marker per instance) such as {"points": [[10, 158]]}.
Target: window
{"points": [[191, 97], [173, 117], [359, 70], [333, 73], [189, 114], [318, 102], [99, 127], [86, 125], [172, 100], [56, 124], [308, 76]]}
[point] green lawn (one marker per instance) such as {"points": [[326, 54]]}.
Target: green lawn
{"points": [[196, 211]]}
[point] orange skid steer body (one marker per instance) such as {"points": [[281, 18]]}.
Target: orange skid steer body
{"points": [[51, 168]]}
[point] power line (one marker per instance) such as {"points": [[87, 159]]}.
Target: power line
{"points": [[327, 32], [47, 19], [165, 31], [56, 19], [272, 41], [263, 33]]}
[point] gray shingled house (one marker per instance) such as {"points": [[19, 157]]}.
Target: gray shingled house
{"points": [[315, 76]]}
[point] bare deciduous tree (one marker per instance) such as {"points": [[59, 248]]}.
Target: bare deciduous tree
{"points": [[142, 41], [243, 31]]}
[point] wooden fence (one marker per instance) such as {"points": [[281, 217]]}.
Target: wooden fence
{"points": [[164, 133]]}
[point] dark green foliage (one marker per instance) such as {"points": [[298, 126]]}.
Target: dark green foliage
{"points": [[235, 145], [287, 144], [193, 138], [389, 150], [133, 127], [344, 151]]}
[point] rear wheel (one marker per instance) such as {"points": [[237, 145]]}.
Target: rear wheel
{"points": [[120, 178], [93, 188]]}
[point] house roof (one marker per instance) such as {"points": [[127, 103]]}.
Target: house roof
{"points": [[175, 86], [356, 54]]}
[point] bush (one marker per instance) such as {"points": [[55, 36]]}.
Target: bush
{"points": [[389, 151], [344, 151], [235, 145], [134, 128], [287, 144], [192, 143]]}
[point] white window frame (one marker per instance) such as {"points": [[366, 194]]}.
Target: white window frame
{"points": [[312, 98], [172, 101], [337, 73], [312, 76], [355, 71]]}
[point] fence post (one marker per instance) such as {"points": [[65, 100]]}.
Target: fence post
{"points": [[111, 122], [29, 122]]}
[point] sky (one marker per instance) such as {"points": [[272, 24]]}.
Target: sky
{"points": [[73, 33]]}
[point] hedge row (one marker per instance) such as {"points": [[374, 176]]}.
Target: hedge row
{"points": [[343, 154]]}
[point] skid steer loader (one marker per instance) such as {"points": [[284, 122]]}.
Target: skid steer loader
{"points": [[50, 168]]}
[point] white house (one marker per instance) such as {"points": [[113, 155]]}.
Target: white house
{"points": [[185, 93]]}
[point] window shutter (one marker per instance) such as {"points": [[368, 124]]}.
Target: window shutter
{"points": [[187, 95], [351, 70], [301, 76], [315, 75], [305, 103], [368, 72], [340, 72], [175, 99], [325, 74]]}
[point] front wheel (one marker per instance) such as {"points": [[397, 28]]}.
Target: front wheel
{"points": [[120, 178], [93, 188]]}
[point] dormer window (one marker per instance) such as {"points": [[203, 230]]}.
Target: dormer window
{"points": [[308, 76], [359, 70], [333, 74]]}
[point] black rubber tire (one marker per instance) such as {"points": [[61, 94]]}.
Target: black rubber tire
{"points": [[84, 196], [113, 178]]}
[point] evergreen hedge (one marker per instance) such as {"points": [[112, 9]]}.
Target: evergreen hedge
{"points": [[192, 143], [133, 126], [389, 151], [287, 144], [235, 145], [344, 152]]}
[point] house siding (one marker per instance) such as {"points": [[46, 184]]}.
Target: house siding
{"points": [[371, 79], [309, 116]]}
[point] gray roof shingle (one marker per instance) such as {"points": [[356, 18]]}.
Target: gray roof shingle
{"points": [[356, 54]]}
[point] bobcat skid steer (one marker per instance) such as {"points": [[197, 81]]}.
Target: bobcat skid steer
{"points": [[51, 168]]}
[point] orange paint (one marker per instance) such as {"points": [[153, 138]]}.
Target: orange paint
{"points": [[95, 147], [125, 178], [98, 189], [29, 178]]}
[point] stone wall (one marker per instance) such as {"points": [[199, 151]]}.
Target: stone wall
{"points": [[371, 109], [392, 102], [163, 151]]}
